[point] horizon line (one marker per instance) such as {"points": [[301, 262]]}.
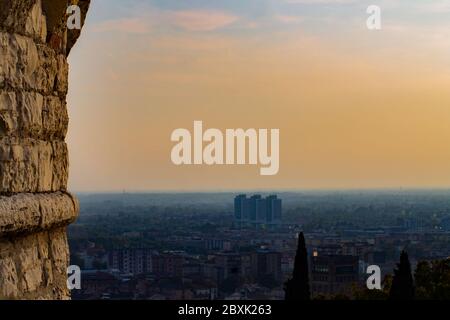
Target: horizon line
{"points": [[281, 190]]}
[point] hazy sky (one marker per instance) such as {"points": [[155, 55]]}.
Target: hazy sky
{"points": [[355, 108]]}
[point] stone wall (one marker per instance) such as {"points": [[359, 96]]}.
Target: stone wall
{"points": [[35, 207]]}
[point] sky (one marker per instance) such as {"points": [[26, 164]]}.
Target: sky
{"points": [[356, 108]]}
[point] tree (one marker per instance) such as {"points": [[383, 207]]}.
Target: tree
{"points": [[433, 280], [402, 284], [267, 281], [424, 281], [297, 288], [363, 293], [441, 279]]}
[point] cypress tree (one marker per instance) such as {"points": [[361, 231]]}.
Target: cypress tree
{"points": [[297, 288], [402, 284]]}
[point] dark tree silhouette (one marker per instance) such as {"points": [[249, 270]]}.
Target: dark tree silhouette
{"points": [[423, 277], [432, 280], [402, 284], [297, 288]]}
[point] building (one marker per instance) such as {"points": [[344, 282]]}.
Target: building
{"points": [[273, 207], [131, 261], [143, 261], [217, 244], [333, 274], [228, 264], [266, 264], [167, 265], [252, 208], [239, 207], [257, 211]]}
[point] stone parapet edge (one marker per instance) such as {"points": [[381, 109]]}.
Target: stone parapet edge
{"points": [[26, 213]]}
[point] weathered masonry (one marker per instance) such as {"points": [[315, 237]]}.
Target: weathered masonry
{"points": [[35, 207]]}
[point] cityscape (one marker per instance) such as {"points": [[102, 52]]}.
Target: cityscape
{"points": [[220, 159], [242, 247]]}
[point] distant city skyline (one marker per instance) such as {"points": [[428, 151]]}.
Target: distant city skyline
{"points": [[257, 212], [356, 109]]}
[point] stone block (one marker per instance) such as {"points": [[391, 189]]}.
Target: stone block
{"points": [[29, 165], [31, 115], [9, 280], [29, 66], [25, 17]]}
